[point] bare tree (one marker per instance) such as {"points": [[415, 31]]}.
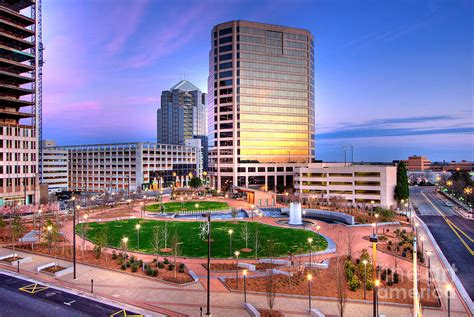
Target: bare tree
{"points": [[176, 245], [257, 242], [102, 241], [16, 228], [156, 241], [270, 290], [165, 234], [349, 242], [341, 286], [245, 234]]}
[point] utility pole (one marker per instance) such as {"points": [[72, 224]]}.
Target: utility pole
{"points": [[345, 159]]}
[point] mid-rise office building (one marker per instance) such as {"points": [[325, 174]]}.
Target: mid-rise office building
{"points": [[182, 114], [18, 114], [129, 167], [260, 104], [418, 163], [55, 166], [358, 184]]}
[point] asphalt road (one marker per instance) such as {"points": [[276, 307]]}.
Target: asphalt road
{"points": [[39, 302], [453, 233]]}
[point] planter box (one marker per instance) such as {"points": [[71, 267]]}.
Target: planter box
{"points": [[275, 261], [15, 263], [251, 310], [319, 265], [56, 274], [194, 276], [316, 313]]}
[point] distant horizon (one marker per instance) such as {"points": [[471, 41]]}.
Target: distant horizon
{"points": [[383, 84]]}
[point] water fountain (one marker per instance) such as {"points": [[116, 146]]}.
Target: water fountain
{"points": [[295, 214]]}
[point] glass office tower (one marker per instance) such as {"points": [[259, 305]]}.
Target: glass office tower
{"points": [[260, 104]]}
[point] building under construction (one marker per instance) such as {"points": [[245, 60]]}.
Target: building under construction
{"points": [[20, 108]]}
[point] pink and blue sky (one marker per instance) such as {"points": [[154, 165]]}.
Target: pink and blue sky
{"points": [[393, 78]]}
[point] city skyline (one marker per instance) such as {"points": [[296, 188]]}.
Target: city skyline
{"points": [[423, 87]]}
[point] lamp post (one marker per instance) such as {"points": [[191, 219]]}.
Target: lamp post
{"points": [[137, 226], [74, 235], [422, 239], [429, 253], [142, 204], [39, 225], [309, 277], [318, 227], [208, 312], [124, 243], [365, 278], [376, 298], [244, 272], [310, 242], [376, 224], [230, 241], [49, 228], [448, 288], [237, 253], [372, 205]]}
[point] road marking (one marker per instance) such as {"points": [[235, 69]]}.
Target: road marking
{"points": [[465, 234], [33, 288], [69, 303], [123, 313], [449, 224]]}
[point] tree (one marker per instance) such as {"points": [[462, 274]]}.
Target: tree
{"points": [[270, 290], [401, 189], [165, 235], [17, 229], [341, 287], [195, 182], [102, 241], [349, 242], [176, 245], [156, 241], [50, 232], [234, 213], [245, 234]]}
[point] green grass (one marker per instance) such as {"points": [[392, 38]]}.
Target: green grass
{"points": [[175, 207], [286, 239]]}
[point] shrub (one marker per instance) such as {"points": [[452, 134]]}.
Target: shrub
{"points": [[390, 242], [389, 283], [97, 251], [370, 285], [354, 283], [154, 260], [181, 267], [132, 259], [123, 267], [389, 248], [404, 254], [171, 267], [134, 268], [149, 271], [389, 271], [120, 261], [395, 278], [128, 264], [114, 255], [384, 275], [166, 261], [161, 265], [349, 269], [154, 273]]}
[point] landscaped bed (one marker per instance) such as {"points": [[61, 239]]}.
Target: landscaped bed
{"points": [[177, 207], [53, 269], [194, 244], [231, 266], [11, 259], [324, 284]]}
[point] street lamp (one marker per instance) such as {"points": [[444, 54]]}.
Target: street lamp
{"points": [[429, 253], [309, 277], [237, 253], [448, 289], [137, 226], [376, 298], [49, 228], [365, 278], [310, 241], [208, 302], [230, 241], [39, 225], [318, 227], [74, 234], [244, 272], [124, 243], [422, 239], [141, 209], [376, 224], [372, 205]]}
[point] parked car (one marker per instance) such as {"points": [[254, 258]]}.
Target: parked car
{"points": [[449, 204]]}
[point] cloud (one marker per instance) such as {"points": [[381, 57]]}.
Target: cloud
{"points": [[404, 126], [127, 18]]}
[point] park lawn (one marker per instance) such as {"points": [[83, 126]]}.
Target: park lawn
{"points": [[176, 207], [285, 239]]}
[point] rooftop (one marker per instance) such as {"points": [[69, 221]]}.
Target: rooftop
{"points": [[185, 85]]}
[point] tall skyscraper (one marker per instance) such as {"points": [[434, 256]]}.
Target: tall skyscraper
{"points": [[182, 114], [260, 104], [18, 111]]}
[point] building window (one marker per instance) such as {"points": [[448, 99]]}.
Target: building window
{"points": [[225, 31]]}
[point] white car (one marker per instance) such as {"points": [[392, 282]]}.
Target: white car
{"points": [[449, 204]]}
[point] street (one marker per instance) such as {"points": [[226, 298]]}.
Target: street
{"points": [[20, 297], [453, 233]]}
